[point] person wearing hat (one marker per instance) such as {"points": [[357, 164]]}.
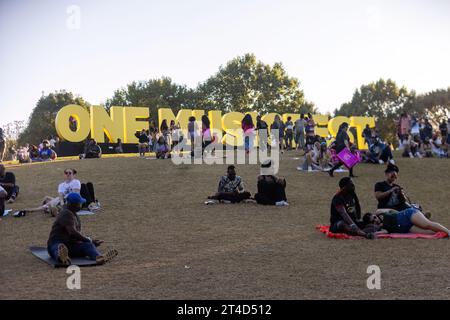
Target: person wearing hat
{"points": [[345, 214], [388, 193], [66, 241], [46, 153], [271, 189]]}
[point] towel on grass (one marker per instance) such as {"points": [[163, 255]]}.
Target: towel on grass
{"points": [[437, 235]]}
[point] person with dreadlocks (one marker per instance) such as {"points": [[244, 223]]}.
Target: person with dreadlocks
{"points": [[346, 211]]}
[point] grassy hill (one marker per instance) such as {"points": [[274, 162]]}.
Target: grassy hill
{"points": [[172, 246]]}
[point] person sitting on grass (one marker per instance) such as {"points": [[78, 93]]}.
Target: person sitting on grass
{"points": [[93, 150], [407, 221], [162, 149], [345, 214], [8, 182], [51, 204], [231, 189], [271, 189], [66, 241], [390, 195], [34, 153], [46, 153], [379, 152]]}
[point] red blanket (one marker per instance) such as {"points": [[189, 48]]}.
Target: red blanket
{"points": [[438, 235]]}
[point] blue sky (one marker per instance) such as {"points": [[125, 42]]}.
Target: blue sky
{"points": [[332, 47]]}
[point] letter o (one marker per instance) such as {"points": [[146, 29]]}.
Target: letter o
{"points": [[83, 123]]}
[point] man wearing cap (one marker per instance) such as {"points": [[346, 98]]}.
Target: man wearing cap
{"points": [[346, 211], [66, 240], [388, 193]]}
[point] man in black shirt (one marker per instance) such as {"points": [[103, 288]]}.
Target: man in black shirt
{"points": [[346, 211], [8, 182], [66, 240], [388, 193]]}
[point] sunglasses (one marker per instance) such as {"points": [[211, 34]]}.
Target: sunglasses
{"points": [[68, 172]]}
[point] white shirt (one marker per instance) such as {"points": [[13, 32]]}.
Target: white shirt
{"points": [[67, 187]]}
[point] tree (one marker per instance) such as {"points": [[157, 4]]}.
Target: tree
{"points": [[41, 123], [383, 100], [154, 94], [434, 105], [246, 84]]}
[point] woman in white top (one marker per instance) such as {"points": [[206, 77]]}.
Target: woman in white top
{"points": [[50, 204]]}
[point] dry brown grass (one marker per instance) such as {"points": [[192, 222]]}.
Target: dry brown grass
{"points": [[172, 246]]}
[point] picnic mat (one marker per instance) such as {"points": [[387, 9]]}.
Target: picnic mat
{"points": [[437, 235], [42, 254]]}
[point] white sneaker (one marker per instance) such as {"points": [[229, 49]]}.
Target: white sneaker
{"points": [[211, 202], [380, 161], [392, 161], [281, 204], [411, 155], [310, 169]]}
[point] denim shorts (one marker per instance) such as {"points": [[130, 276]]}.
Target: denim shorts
{"points": [[404, 220]]}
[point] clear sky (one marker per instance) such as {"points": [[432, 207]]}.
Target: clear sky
{"points": [[332, 47]]}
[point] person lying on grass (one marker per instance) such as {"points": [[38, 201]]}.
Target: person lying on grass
{"points": [[407, 221], [53, 205], [231, 188], [346, 211], [66, 241]]}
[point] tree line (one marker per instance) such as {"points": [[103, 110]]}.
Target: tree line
{"points": [[245, 84]]}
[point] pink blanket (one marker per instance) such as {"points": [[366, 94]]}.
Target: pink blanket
{"points": [[438, 235]]}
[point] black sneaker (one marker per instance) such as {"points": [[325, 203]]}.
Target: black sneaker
{"points": [[20, 214]]}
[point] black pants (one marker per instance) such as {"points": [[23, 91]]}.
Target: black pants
{"points": [[279, 194], [2, 205], [234, 197], [92, 155], [87, 192], [340, 164], [13, 192], [386, 155]]}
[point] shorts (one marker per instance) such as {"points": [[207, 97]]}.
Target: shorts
{"points": [[404, 220]]}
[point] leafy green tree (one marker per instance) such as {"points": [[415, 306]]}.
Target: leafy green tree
{"points": [[383, 100], [434, 105], [41, 123], [245, 85], [154, 94]]}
